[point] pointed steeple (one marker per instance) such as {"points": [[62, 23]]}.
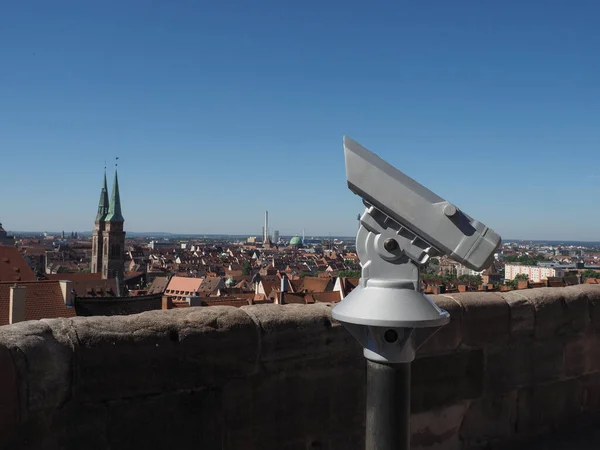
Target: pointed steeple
{"points": [[114, 210], [103, 204]]}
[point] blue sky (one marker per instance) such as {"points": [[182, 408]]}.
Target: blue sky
{"points": [[219, 110]]}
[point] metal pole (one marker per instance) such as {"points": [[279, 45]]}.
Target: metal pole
{"points": [[388, 406]]}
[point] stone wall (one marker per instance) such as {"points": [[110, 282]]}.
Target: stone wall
{"points": [[117, 306], [507, 368]]}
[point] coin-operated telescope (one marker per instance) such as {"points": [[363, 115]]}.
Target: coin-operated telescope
{"points": [[404, 224]]}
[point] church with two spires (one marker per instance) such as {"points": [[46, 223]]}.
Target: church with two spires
{"points": [[108, 238]]}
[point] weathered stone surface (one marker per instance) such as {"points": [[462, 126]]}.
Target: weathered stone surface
{"points": [[489, 420], [548, 406], [449, 337], [9, 401], [42, 358], [325, 402], [182, 349], [522, 315], [582, 354], [198, 424], [439, 381], [592, 292], [277, 377], [485, 319], [438, 429], [590, 393], [523, 364], [558, 311], [295, 335]]}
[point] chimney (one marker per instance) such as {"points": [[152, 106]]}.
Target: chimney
{"points": [[67, 292], [18, 296], [283, 289]]}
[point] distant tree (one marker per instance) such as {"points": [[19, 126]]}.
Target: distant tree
{"points": [[432, 266], [349, 274], [246, 268], [588, 273], [519, 277], [62, 270], [472, 279], [306, 274], [526, 260]]}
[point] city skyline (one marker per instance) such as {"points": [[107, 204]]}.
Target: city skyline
{"points": [[218, 113]]}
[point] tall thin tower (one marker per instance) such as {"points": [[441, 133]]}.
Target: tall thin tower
{"points": [[266, 233]]}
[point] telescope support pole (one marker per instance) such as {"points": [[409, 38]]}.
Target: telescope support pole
{"points": [[388, 406]]}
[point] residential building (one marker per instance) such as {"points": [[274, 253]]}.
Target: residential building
{"points": [[535, 274]]}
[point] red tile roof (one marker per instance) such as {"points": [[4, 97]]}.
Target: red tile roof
{"points": [[44, 301], [13, 266], [76, 276]]}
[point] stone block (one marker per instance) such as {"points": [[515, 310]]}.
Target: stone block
{"points": [[590, 393], [439, 381], [197, 424], [300, 407], [438, 429], [592, 292], [523, 364], [548, 406], [9, 401], [293, 336], [489, 420], [582, 354], [485, 319], [522, 315], [161, 351], [42, 358], [449, 337], [558, 311]]}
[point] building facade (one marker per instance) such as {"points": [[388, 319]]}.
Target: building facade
{"points": [[534, 273]]}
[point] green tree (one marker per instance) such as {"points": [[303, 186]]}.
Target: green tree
{"points": [[472, 279], [588, 273], [527, 260], [246, 268], [519, 277]]}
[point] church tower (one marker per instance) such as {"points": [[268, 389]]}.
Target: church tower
{"points": [[113, 236], [97, 235]]}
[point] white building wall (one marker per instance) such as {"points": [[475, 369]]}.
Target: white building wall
{"points": [[534, 273]]}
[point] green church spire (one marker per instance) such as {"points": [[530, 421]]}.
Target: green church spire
{"points": [[114, 210], [103, 204]]}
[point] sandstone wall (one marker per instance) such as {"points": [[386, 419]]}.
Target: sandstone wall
{"points": [[508, 367]]}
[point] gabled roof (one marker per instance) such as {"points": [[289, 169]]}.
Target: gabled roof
{"points": [[13, 266], [184, 284], [211, 284], [159, 285], [44, 300], [314, 284]]}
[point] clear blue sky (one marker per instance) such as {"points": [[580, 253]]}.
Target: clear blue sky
{"points": [[219, 110]]}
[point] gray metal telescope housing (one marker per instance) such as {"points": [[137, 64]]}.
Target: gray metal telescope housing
{"points": [[404, 224]]}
